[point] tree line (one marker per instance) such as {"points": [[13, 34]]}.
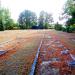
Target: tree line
{"points": [[27, 20], [69, 14], [6, 22]]}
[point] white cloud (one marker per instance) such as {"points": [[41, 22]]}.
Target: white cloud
{"points": [[17, 6]]}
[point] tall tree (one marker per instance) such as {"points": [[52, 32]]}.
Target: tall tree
{"points": [[5, 20], [27, 19], [45, 19], [70, 8], [1, 20], [41, 19]]}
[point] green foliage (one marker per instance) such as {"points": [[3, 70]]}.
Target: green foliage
{"points": [[1, 26], [70, 21], [41, 20], [46, 26], [6, 23], [22, 26], [44, 20], [9, 24], [64, 29], [51, 26], [16, 26], [69, 7], [69, 29], [73, 26], [58, 26], [1, 20], [27, 19]]}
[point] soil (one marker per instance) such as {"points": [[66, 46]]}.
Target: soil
{"points": [[56, 52], [21, 47], [21, 51]]}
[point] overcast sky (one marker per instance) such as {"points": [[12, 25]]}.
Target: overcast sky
{"points": [[50, 6]]}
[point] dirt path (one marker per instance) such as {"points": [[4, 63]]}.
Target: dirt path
{"points": [[67, 38], [22, 51], [55, 56]]}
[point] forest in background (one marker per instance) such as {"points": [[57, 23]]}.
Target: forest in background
{"points": [[29, 20]]}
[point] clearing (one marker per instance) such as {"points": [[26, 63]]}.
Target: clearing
{"points": [[20, 47]]}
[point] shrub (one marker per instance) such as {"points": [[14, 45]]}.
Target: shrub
{"points": [[69, 29], [64, 29], [58, 26], [1, 26], [46, 26]]}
